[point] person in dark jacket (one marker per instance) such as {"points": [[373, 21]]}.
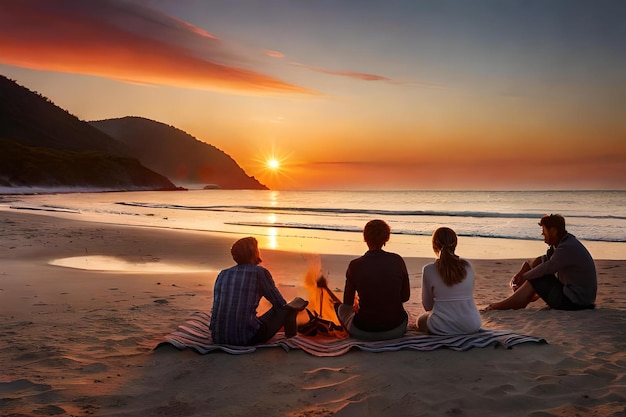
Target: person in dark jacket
{"points": [[377, 285]]}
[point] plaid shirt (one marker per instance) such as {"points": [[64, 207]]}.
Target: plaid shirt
{"points": [[236, 297]]}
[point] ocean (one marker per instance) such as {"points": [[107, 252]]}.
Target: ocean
{"points": [[490, 224]]}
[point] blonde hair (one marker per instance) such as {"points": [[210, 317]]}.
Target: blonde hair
{"points": [[450, 266]]}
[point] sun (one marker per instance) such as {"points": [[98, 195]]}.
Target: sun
{"points": [[273, 163], [273, 169]]}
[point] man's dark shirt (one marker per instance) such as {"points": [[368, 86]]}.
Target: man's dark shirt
{"points": [[381, 280]]}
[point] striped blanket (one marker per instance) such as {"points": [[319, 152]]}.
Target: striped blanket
{"points": [[195, 334]]}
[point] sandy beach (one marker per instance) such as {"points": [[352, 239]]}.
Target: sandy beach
{"points": [[79, 342]]}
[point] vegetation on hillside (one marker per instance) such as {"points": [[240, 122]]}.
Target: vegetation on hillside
{"points": [[176, 154], [22, 166], [31, 119]]}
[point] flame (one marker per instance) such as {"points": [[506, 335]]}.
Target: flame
{"points": [[321, 299]]}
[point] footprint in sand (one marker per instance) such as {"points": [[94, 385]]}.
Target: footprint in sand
{"points": [[21, 386], [501, 391], [322, 377], [50, 410], [334, 388]]}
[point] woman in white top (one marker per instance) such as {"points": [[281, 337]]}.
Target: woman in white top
{"points": [[448, 290]]}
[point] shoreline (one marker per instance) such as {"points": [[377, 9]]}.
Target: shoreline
{"points": [[79, 342], [329, 242]]}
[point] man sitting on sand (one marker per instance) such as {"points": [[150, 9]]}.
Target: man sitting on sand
{"points": [[236, 297], [565, 278]]}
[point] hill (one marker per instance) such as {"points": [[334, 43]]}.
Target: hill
{"points": [[31, 119], [26, 166], [176, 154], [43, 145]]}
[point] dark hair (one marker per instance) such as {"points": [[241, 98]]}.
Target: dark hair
{"points": [[246, 251], [450, 266], [376, 233], [554, 221]]}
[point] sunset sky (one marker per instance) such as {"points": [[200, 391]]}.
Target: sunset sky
{"points": [[438, 94]]}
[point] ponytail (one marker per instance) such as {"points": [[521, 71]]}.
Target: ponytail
{"points": [[451, 268]]}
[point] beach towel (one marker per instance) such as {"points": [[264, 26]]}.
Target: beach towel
{"points": [[195, 334]]}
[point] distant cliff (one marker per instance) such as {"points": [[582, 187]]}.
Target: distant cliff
{"points": [[176, 154], [42, 145]]}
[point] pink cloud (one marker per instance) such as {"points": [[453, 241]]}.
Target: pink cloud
{"points": [[349, 74], [125, 41], [274, 54], [367, 76]]}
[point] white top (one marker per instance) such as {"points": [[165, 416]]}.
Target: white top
{"points": [[453, 308]]}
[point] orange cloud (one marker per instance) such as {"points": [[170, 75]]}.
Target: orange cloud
{"points": [[123, 41], [366, 77], [196, 29], [274, 54], [349, 74]]}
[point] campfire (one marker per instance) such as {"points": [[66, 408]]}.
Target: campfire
{"points": [[321, 316]]}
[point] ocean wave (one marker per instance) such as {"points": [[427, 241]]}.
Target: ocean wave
{"points": [[352, 229], [352, 211], [44, 207]]}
